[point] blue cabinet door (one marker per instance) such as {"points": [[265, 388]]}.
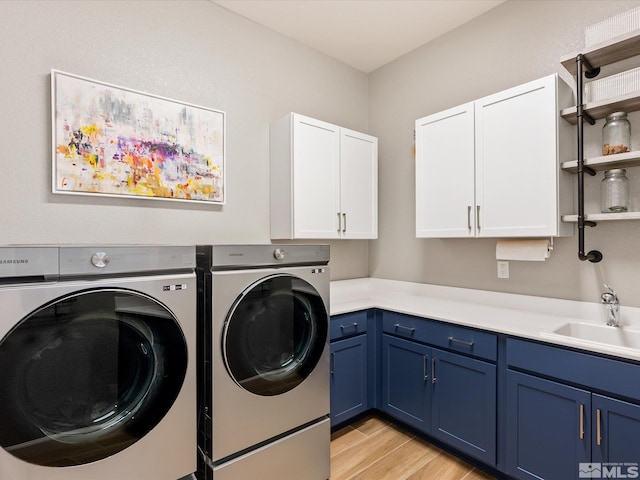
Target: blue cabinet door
{"points": [[406, 385], [464, 404], [348, 378], [616, 431], [548, 428]]}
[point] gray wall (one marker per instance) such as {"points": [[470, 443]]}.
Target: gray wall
{"points": [[193, 51], [515, 42], [197, 52]]}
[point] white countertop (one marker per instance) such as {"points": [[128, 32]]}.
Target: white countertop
{"points": [[519, 315]]}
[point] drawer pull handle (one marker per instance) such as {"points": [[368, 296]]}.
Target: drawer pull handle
{"points": [[425, 375], [463, 342], [339, 222], [410, 329], [354, 325], [598, 431], [581, 421]]}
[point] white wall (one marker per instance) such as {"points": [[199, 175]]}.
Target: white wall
{"points": [[516, 42], [193, 51]]}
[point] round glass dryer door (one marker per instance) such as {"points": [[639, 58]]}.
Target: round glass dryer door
{"points": [[87, 375], [274, 334]]}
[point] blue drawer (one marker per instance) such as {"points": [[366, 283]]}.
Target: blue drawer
{"points": [[476, 343], [595, 372], [407, 326], [348, 324], [465, 340]]}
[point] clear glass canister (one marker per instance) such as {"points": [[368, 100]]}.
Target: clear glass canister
{"points": [[615, 191], [616, 134]]}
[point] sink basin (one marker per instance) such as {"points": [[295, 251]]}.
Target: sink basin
{"points": [[624, 337]]}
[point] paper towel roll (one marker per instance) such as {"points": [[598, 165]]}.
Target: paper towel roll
{"points": [[530, 250]]}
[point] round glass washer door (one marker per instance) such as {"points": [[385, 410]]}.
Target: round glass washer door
{"points": [[88, 375], [274, 334]]}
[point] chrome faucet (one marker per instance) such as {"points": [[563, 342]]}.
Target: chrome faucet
{"points": [[610, 299]]}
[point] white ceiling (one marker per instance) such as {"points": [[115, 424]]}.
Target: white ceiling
{"points": [[365, 34]]}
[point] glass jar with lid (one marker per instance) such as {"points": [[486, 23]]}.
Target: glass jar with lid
{"points": [[616, 134], [615, 191]]}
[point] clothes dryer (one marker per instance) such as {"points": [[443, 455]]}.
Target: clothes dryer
{"points": [[97, 363], [264, 358]]}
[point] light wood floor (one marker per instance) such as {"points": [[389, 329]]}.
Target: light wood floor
{"points": [[374, 449]]}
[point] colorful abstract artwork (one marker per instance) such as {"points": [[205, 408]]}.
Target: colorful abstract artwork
{"points": [[113, 141]]}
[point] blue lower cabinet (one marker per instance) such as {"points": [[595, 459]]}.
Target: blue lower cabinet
{"points": [[348, 378], [406, 385], [548, 428], [447, 395], [616, 433], [464, 404]]}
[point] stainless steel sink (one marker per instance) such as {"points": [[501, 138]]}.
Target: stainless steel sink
{"points": [[624, 337]]}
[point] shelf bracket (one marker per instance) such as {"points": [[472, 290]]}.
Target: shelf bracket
{"points": [[587, 118], [582, 64]]}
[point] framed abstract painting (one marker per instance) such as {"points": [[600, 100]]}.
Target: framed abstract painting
{"points": [[114, 141]]}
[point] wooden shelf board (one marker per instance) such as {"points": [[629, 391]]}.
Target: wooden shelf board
{"points": [[603, 217], [624, 103], [607, 162], [605, 53]]}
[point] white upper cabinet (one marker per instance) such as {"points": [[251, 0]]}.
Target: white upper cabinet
{"points": [[324, 180], [493, 164]]}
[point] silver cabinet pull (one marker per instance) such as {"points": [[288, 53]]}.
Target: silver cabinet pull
{"points": [[354, 325], [344, 223], [433, 369], [478, 218], [463, 342], [410, 329], [598, 431], [339, 222], [469, 217], [333, 363], [581, 421], [425, 375]]}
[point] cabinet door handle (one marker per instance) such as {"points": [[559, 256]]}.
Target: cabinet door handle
{"points": [[333, 363], [344, 223], [598, 427], [354, 325], [463, 342], [339, 222], [409, 329], [469, 217], [581, 421], [478, 218], [433, 369], [425, 375]]}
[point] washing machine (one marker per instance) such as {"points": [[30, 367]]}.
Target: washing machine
{"points": [[97, 363], [264, 356]]}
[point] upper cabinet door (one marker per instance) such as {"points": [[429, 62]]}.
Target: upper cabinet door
{"points": [[316, 174], [445, 205], [359, 185], [517, 161]]}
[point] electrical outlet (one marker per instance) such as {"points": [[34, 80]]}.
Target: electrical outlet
{"points": [[503, 269]]}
